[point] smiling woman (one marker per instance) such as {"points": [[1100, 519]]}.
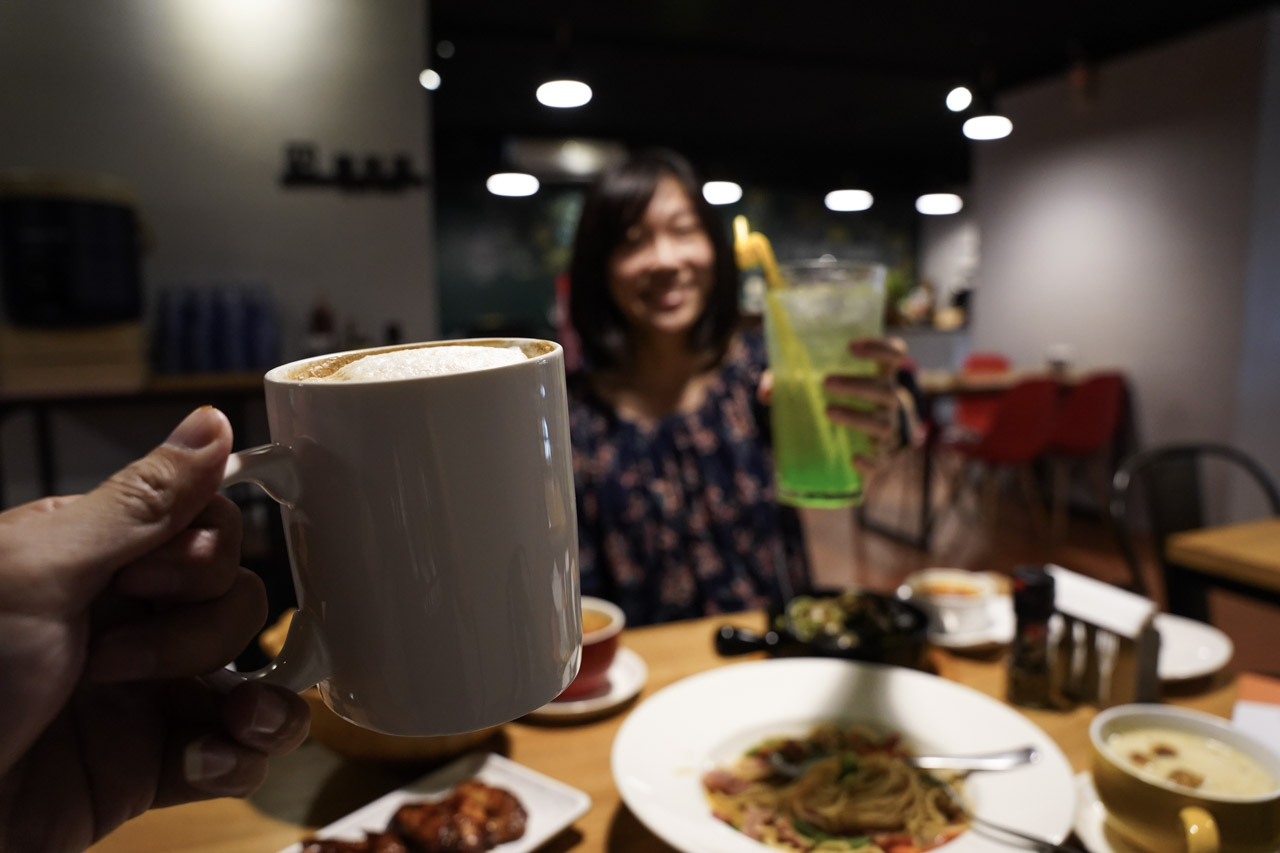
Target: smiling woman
{"points": [[660, 275], [677, 514]]}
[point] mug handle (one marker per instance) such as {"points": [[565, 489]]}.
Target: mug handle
{"points": [[302, 661], [1201, 830]]}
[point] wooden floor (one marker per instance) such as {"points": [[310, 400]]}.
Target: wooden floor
{"points": [[961, 540]]}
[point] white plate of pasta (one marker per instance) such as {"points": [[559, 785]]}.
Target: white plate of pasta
{"points": [[853, 722]]}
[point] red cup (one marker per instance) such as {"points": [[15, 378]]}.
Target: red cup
{"points": [[599, 645]]}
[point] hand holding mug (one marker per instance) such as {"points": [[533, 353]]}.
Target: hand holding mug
{"points": [[116, 603]]}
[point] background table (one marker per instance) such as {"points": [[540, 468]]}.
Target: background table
{"points": [[1242, 558], [1248, 552], [313, 786]]}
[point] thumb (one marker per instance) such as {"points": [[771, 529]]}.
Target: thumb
{"points": [[764, 393], [141, 506]]}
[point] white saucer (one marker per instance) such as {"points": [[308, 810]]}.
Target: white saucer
{"points": [[627, 674], [999, 629], [1091, 820], [1190, 649]]}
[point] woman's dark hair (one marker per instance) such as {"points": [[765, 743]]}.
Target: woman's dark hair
{"points": [[615, 202]]}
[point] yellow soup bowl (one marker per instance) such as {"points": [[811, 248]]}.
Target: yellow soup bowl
{"points": [[1159, 815]]}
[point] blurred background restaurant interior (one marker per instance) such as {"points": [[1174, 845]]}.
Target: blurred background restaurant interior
{"points": [[236, 183]]}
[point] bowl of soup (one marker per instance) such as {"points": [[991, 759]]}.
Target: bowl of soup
{"points": [[1173, 779], [602, 623]]}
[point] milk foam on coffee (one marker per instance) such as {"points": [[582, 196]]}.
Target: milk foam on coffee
{"points": [[424, 361]]}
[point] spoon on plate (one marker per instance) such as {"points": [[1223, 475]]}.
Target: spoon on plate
{"points": [[1001, 833], [1003, 760]]}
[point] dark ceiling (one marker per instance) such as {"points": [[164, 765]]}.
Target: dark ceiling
{"points": [[793, 92]]}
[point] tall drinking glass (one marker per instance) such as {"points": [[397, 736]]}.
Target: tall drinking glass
{"points": [[808, 327]]}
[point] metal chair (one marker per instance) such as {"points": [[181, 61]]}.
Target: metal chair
{"points": [[1172, 486]]}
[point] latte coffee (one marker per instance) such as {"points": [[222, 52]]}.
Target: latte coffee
{"points": [[431, 530], [410, 362]]}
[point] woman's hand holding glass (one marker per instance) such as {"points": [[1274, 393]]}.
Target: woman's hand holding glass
{"points": [[878, 404], [880, 412]]}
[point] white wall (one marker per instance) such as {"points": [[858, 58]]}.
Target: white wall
{"points": [[1258, 389], [950, 247], [192, 102], [1124, 228]]}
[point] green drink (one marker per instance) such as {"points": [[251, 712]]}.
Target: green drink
{"points": [[808, 327]]}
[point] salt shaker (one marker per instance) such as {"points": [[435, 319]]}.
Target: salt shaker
{"points": [[1030, 670]]}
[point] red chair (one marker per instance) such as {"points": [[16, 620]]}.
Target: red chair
{"points": [[1020, 427], [1084, 428], [974, 411]]}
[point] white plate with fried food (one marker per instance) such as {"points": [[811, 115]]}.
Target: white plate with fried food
{"points": [[516, 803]]}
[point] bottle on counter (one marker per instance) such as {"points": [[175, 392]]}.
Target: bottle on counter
{"points": [[1030, 665], [391, 334], [262, 327], [322, 333]]}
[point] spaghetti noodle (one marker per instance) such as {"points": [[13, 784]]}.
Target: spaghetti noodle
{"points": [[855, 791]]}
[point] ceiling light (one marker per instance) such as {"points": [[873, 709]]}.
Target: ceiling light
{"points": [[959, 99], [721, 192], [564, 93], [430, 79], [988, 127], [843, 200], [939, 204], [512, 184]]}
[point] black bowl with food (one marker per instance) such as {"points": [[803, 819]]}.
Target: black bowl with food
{"points": [[852, 624]]}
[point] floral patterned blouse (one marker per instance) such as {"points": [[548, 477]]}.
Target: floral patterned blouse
{"points": [[677, 519]]}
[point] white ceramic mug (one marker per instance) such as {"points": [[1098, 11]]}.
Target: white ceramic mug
{"points": [[433, 540]]}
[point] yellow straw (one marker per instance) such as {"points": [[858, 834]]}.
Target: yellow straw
{"points": [[754, 249]]}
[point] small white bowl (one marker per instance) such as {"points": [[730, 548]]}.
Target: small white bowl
{"points": [[955, 599]]}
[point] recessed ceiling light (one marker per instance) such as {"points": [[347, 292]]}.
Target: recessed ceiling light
{"points": [[959, 99], [430, 79], [512, 184], [563, 93], [988, 127], [846, 200], [721, 192], [939, 204]]}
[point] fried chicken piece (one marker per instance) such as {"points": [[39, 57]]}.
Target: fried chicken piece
{"points": [[472, 819], [378, 842]]}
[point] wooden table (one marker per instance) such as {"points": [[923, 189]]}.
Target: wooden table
{"points": [[1248, 553], [313, 787], [1242, 558]]}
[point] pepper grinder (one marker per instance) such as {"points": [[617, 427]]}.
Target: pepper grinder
{"points": [[1030, 670]]}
